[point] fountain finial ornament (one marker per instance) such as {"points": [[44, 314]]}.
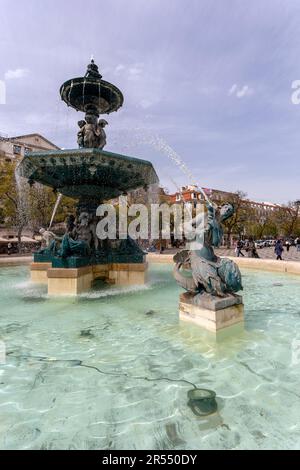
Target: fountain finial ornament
{"points": [[92, 70]]}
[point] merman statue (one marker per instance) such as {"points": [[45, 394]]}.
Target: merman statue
{"points": [[79, 239], [211, 275], [49, 241]]}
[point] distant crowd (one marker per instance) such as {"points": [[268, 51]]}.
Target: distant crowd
{"points": [[250, 247]]}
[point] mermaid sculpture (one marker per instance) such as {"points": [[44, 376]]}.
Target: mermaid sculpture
{"points": [[212, 276]]}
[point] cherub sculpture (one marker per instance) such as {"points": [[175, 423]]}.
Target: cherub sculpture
{"points": [[80, 134], [91, 133], [101, 133]]}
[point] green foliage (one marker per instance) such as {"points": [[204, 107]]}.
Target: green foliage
{"points": [[236, 223], [256, 223], [28, 206]]}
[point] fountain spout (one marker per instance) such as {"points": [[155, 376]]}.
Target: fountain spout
{"points": [[55, 209]]}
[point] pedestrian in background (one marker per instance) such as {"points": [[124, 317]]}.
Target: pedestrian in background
{"points": [[278, 249], [9, 248], [238, 249]]}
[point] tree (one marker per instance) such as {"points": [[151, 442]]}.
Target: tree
{"points": [[260, 225], [23, 206], [10, 200], [236, 223], [288, 219]]}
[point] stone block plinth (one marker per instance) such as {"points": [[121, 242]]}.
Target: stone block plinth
{"points": [[211, 313], [38, 272], [74, 281], [126, 274]]}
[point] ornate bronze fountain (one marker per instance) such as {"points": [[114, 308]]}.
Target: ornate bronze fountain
{"points": [[89, 174]]}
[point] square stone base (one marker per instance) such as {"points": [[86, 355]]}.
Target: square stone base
{"points": [[73, 281], [211, 313], [127, 274], [69, 281], [38, 272]]}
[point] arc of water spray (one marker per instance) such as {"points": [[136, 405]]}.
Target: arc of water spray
{"points": [[161, 145], [188, 172], [55, 209]]}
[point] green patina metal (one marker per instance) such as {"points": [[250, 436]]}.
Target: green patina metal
{"points": [[90, 175], [126, 252], [87, 173], [91, 94]]}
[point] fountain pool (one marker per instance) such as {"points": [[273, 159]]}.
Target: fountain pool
{"points": [[49, 399]]}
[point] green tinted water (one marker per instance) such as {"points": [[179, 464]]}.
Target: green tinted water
{"points": [[50, 400]]}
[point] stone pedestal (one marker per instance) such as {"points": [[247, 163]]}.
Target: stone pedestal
{"points": [[73, 281], [69, 281], [128, 274], [211, 313], [38, 272]]}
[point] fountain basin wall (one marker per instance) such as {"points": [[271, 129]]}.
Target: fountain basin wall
{"points": [[291, 267], [50, 401], [74, 281]]}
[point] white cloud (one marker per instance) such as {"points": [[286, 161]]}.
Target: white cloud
{"points": [[232, 89], [119, 68], [244, 90], [17, 73]]}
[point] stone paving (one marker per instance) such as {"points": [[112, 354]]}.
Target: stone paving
{"points": [[265, 253]]}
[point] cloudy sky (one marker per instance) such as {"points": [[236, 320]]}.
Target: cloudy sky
{"points": [[209, 80]]}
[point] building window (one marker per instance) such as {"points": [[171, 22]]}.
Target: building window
{"points": [[178, 198], [28, 149], [193, 196], [17, 149]]}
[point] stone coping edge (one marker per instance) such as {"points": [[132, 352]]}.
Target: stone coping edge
{"points": [[93, 269], [262, 264], [15, 261]]}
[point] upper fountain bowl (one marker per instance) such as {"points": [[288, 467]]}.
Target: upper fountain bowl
{"points": [[91, 94]]}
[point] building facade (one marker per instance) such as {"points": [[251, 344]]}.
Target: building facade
{"points": [[14, 148], [192, 195]]}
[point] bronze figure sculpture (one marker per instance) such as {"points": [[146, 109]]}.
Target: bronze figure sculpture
{"points": [[210, 275]]}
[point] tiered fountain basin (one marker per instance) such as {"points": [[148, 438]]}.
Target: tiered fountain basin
{"points": [[87, 174], [90, 176]]}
